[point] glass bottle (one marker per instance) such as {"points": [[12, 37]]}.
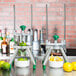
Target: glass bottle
{"points": [[5, 47], [12, 46]]}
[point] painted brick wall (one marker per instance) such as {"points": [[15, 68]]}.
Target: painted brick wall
{"points": [[56, 17]]}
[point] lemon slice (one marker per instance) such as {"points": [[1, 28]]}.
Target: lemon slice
{"points": [[51, 58], [59, 59]]}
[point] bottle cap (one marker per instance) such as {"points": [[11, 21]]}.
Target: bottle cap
{"points": [[12, 39], [1, 38]]}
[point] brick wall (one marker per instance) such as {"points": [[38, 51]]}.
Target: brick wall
{"points": [[55, 12]]}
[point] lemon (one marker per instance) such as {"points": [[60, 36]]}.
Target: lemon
{"points": [[74, 65], [67, 67], [1, 63]]}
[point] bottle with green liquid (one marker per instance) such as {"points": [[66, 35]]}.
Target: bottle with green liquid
{"points": [[1, 39]]}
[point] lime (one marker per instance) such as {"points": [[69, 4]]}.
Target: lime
{"points": [[1, 63], [21, 44], [24, 44], [26, 59], [20, 59], [6, 65]]}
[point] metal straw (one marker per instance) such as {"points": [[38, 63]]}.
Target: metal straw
{"points": [[46, 22], [65, 26], [14, 17], [64, 22], [31, 16]]}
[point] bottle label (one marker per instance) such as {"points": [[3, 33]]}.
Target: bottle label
{"points": [[11, 47], [4, 48]]}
